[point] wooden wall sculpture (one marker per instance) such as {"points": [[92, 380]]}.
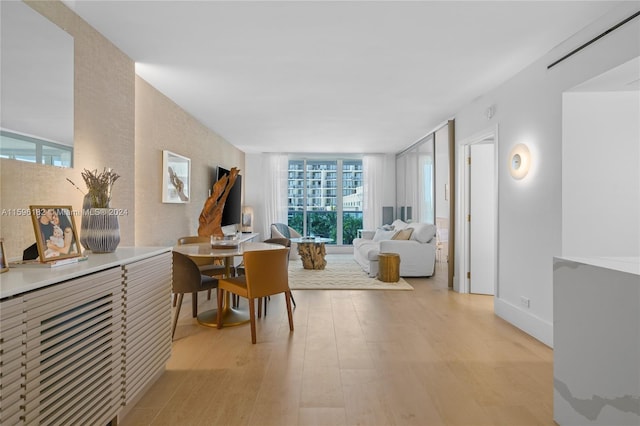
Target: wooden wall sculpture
{"points": [[211, 215]]}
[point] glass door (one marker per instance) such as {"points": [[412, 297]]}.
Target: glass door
{"points": [[321, 206], [325, 198]]}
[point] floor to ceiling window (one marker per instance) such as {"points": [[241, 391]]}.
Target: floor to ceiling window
{"points": [[325, 198]]}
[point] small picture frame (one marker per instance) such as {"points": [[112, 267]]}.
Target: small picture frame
{"points": [[4, 264], [247, 219], [176, 175], [55, 230]]}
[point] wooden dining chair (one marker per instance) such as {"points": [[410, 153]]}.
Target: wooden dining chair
{"points": [[188, 279], [266, 274]]}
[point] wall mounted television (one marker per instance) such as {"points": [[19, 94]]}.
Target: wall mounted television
{"points": [[232, 211]]}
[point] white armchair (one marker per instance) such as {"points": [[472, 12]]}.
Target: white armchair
{"points": [[282, 230]]}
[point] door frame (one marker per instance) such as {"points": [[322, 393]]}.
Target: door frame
{"points": [[463, 202]]}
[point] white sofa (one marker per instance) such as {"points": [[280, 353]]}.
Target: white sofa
{"points": [[417, 253]]}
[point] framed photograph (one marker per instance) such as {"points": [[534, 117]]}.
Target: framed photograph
{"points": [[247, 219], [176, 175], [56, 235], [4, 264]]}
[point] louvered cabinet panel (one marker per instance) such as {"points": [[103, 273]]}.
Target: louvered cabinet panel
{"points": [[13, 330], [74, 350], [147, 331]]}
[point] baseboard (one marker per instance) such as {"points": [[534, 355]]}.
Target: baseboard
{"points": [[529, 323]]}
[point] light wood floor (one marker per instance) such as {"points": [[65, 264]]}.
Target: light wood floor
{"points": [[424, 357]]}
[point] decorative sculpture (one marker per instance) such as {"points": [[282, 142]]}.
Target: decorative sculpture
{"points": [[211, 215], [177, 184], [312, 255]]}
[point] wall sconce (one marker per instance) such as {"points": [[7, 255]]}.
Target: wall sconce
{"points": [[519, 161]]}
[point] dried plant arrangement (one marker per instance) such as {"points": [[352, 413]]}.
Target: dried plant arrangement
{"points": [[99, 186]]}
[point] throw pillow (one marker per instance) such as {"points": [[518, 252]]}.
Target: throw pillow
{"points": [[381, 234], [398, 224], [423, 232], [404, 234]]}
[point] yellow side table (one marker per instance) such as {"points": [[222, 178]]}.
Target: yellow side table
{"points": [[389, 267]]}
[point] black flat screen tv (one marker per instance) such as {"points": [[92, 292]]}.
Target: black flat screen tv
{"points": [[232, 211]]}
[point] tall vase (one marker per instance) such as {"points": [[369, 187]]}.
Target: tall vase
{"points": [[102, 233], [86, 206]]}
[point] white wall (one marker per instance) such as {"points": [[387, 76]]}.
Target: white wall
{"points": [[528, 109], [600, 174]]}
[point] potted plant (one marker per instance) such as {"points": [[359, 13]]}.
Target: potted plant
{"points": [[99, 186]]}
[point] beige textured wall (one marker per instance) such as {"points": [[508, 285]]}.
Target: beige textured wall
{"points": [[163, 125], [104, 90], [106, 128]]}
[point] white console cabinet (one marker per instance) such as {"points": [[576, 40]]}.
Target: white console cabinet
{"points": [[79, 343]]}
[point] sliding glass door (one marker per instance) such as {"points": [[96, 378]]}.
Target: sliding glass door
{"points": [[426, 201], [352, 200], [321, 201], [325, 198], [415, 182]]}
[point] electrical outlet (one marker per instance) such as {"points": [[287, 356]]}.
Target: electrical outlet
{"points": [[525, 302]]}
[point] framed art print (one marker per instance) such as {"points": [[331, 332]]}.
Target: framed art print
{"points": [[176, 175], [55, 230]]}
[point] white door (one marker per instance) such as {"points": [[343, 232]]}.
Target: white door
{"points": [[482, 219]]}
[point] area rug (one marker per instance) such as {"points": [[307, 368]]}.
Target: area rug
{"points": [[341, 273]]}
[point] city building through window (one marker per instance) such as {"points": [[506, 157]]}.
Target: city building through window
{"points": [[325, 198]]}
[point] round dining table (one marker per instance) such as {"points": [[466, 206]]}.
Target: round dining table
{"points": [[227, 251]]}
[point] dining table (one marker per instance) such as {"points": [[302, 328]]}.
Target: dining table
{"points": [[225, 250]]}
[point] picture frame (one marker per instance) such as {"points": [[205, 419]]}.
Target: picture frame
{"points": [[55, 231], [247, 219], [4, 264], [176, 178]]}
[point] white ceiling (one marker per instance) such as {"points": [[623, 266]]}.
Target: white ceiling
{"points": [[331, 77]]}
